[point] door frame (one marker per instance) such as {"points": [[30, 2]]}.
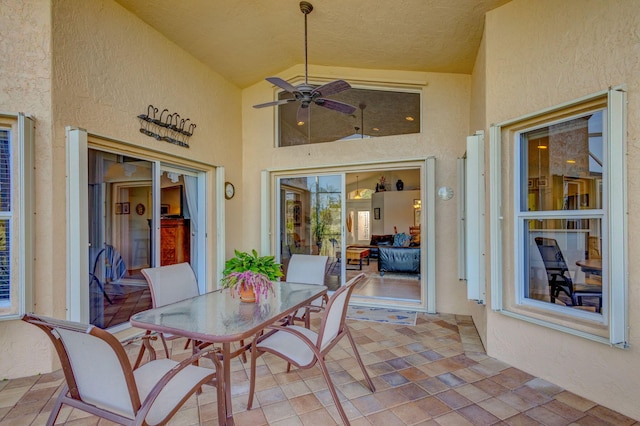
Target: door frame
{"points": [[270, 209], [77, 265]]}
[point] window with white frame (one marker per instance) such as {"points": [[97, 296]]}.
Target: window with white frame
{"points": [[567, 198], [5, 215], [16, 212]]}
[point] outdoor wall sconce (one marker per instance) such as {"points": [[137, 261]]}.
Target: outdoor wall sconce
{"points": [[169, 128]]}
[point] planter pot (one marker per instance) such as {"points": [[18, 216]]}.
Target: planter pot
{"points": [[247, 295]]}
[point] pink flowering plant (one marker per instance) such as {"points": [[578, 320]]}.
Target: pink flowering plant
{"points": [[246, 270]]}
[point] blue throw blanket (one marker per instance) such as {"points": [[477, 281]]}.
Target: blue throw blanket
{"points": [[400, 239]]}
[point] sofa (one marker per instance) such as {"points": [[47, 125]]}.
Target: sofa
{"points": [[376, 241], [399, 259]]}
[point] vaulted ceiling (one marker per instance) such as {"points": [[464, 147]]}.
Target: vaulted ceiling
{"points": [[248, 40]]}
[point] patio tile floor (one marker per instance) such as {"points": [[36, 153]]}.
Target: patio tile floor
{"points": [[435, 373]]}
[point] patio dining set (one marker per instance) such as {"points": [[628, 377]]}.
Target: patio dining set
{"points": [[218, 326]]}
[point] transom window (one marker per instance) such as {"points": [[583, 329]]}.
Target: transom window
{"points": [[378, 113]]}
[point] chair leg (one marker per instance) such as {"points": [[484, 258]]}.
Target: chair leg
{"points": [[56, 408], [143, 347], [332, 390], [252, 374], [139, 358], [372, 388], [164, 343]]}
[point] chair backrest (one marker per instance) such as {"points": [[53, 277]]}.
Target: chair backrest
{"points": [[552, 256], [307, 269], [335, 312], [171, 283], [114, 266], [95, 365]]}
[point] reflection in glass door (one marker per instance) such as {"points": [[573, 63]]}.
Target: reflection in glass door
{"points": [[119, 236], [310, 220]]}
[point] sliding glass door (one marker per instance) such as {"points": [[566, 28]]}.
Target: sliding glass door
{"points": [[311, 220], [140, 214], [366, 219]]}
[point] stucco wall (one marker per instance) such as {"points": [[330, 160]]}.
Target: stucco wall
{"points": [[25, 86], [445, 118], [103, 70], [540, 54]]}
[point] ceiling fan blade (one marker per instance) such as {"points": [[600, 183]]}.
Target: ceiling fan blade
{"points": [[335, 105], [303, 114], [274, 103], [332, 88], [285, 85]]}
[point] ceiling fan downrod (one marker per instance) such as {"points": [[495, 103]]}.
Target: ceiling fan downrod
{"points": [[306, 8]]}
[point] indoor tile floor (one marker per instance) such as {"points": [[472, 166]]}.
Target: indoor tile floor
{"points": [[434, 373]]}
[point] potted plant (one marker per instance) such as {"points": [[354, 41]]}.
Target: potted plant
{"points": [[250, 275], [321, 221]]}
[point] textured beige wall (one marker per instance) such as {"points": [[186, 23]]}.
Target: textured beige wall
{"points": [[109, 66], [445, 118], [105, 67], [540, 54], [25, 86]]}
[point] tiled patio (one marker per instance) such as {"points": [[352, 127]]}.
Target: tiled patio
{"points": [[435, 373]]}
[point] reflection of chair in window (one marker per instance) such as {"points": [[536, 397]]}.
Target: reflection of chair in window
{"points": [[296, 245], [559, 276], [114, 268], [100, 380]]}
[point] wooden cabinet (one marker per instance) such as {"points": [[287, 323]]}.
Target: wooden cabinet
{"points": [[174, 241]]}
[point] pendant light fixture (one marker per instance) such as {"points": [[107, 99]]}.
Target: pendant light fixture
{"points": [[357, 196]]}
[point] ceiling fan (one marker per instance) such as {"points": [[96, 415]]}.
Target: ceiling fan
{"points": [[305, 93]]}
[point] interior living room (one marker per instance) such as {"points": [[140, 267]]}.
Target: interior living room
{"points": [[383, 233]]}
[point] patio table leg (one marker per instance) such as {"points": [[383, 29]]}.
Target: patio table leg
{"points": [[226, 373]]}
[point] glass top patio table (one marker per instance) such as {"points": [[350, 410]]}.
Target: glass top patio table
{"points": [[219, 317]]}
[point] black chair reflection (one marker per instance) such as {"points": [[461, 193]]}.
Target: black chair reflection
{"points": [[559, 276]]}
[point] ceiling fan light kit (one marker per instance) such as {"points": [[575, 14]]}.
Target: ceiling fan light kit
{"points": [[306, 94]]}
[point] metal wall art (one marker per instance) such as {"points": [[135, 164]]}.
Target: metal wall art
{"points": [[169, 128]]}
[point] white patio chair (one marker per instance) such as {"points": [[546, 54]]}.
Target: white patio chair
{"points": [[304, 348], [169, 284], [100, 380], [307, 269]]}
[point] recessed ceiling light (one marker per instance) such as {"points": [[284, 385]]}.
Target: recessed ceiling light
{"points": [[571, 161], [542, 147], [409, 118], [300, 123], [375, 129]]}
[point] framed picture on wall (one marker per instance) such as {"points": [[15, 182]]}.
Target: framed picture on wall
{"points": [[376, 213], [118, 208], [126, 208]]}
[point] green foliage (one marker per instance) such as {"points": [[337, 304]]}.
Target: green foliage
{"points": [[243, 261]]}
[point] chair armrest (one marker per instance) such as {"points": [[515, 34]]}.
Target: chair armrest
{"points": [[212, 354]]}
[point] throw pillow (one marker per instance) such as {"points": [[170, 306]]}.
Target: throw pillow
{"points": [[399, 239]]}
